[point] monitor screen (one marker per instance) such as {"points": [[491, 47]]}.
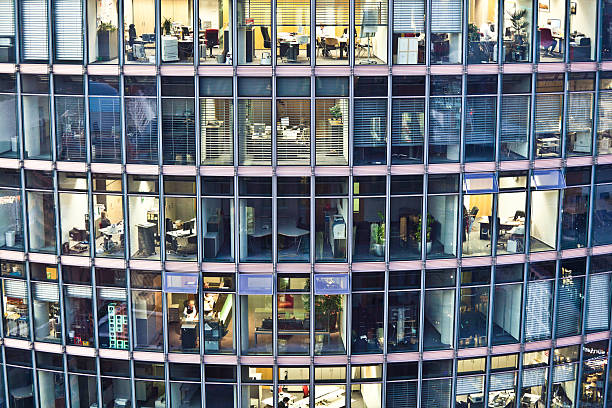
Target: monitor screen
{"points": [[554, 22]]}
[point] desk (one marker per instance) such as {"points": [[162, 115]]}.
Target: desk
{"points": [[341, 41], [331, 394], [289, 44], [179, 240], [294, 232], [189, 334]]}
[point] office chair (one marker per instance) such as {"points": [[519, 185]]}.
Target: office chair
{"points": [[547, 41], [212, 39], [266, 37], [184, 32]]}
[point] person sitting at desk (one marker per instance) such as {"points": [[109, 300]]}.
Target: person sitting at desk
{"points": [[190, 313], [104, 221], [284, 403]]}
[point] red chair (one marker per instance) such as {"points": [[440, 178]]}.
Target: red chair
{"points": [[546, 40]]}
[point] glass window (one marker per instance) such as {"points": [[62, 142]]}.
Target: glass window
{"points": [[538, 310], [474, 310], [181, 228], [178, 130], [105, 129], [9, 140], [480, 124], [147, 315], [34, 15], [218, 228], [579, 119], [370, 131], [407, 130], [371, 25], [83, 390], [216, 131], [446, 18], [139, 37], [256, 323], [293, 314], [583, 29], [16, 305], [544, 211], [183, 320], [403, 325], [254, 32], [409, 32], [293, 226], [293, 131], [293, 47], [102, 23], [36, 129], [215, 33], [109, 231], [255, 131], [550, 41], [517, 31], [331, 131], [405, 226], [369, 222], [113, 318], [7, 21], [41, 221], [332, 26], [74, 216], [482, 35], [367, 323], [79, 315], [444, 129], [141, 121], [144, 226], [594, 366], [441, 228], [47, 315], [11, 219]]}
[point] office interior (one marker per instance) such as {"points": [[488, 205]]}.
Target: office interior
{"points": [[292, 32], [552, 21], [256, 335], [405, 227], [293, 131], [148, 318], [151, 393], [533, 390], [46, 310], [41, 211], [15, 301], [330, 324], [11, 219], [79, 315], [293, 315], [218, 228], [331, 131], [144, 226], [369, 228], [255, 132], [218, 313], [255, 229], [9, 140], [517, 30], [216, 136], [293, 228], [331, 219], [181, 229], [331, 32], [109, 229], [183, 322], [441, 225], [103, 30], [36, 128], [482, 31], [371, 27], [543, 232], [74, 223]]}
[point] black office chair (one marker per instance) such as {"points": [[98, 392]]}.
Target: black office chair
{"points": [[266, 37], [212, 39]]}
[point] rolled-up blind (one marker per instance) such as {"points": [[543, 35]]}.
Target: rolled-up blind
{"points": [[293, 13], [408, 16], [598, 302], [548, 111], [332, 12], [480, 113], [371, 12], [254, 131], [569, 307], [446, 16], [502, 381], [216, 135], [515, 118], [370, 123], [112, 294], [34, 30], [470, 385], [178, 130], [534, 377], [293, 131], [563, 373], [7, 18], [68, 33], [605, 112], [407, 122], [402, 394], [445, 121], [436, 393], [83, 292], [15, 289], [46, 292], [580, 112], [105, 127], [537, 313], [331, 134], [259, 11]]}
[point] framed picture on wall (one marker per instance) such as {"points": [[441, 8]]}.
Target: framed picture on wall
{"points": [[544, 5], [572, 8]]}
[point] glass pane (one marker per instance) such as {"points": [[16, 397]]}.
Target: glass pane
{"points": [[254, 32], [371, 27], [183, 324], [293, 31], [216, 131], [148, 319], [256, 324], [141, 130], [403, 321], [11, 220], [139, 18], [144, 226], [255, 229], [517, 31], [41, 221], [367, 323], [218, 229], [293, 226], [105, 129], [544, 211], [255, 132]]}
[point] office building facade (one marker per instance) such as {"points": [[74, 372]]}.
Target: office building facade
{"points": [[239, 204]]}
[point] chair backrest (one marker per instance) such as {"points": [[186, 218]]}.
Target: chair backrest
{"points": [[585, 41], [545, 35], [212, 36], [265, 34], [330, 41]]}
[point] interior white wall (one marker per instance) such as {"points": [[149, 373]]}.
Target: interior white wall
{"points": [[41, 319], [509, 203], [585, 21], [73, 208], [138, 215], [9, 213], [507, 309], [544, 210], [7, 110], [444, 210], [36, 220], [35, 110], [371, 394], [439, 311]]}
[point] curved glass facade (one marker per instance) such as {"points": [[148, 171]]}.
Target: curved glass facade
{"points": [[240, 204]]}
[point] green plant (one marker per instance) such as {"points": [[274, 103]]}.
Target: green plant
{"points": [[430, 221], [167, 25], [106, 27], [473, 33], [335, 112], [380, 232], [519, 22]]}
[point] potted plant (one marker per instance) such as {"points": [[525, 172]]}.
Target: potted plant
{"points": [[430, 222], [377, 237], [107, 41], [336, 115], [519, 24], [167, 25], [328, 308]]}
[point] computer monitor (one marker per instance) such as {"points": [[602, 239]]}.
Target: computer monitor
{"points": [[554, 22], [259, 128]]}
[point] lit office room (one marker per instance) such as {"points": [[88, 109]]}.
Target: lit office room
{"points": [[366, 389], [293, 121], [216, 121], [332, 39], [371, 25], [331, 120], [293, 31], [183, 311], [511, 210], [256, 322], [74, 213], [16, 304], [46, 304], [545, 189], [143, 204], [293, 314], [177, 35], [147, 317], [256, 386], [139, 31], [180, 212], [109, 232], [215, 42], [218, 313], [103, 31], [482, 31], [442, 212], [517, 30], [254, 121], [254, 19], [551, 26]]}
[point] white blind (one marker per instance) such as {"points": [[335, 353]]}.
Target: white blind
{"points": [[370, 127], [480, 118], [534, 377], [112, 294], [34, 31], [255, 131], [46, 292], [68, 30], [548, 113], [569, 307], [216, 131], [446, 16], [537, 319], [331, 135], [7, 18], [15, 289], [445, 121], [83, 292], [598, 302], [332, 12], [408, 16], [605, 112], [515, 118], [470, 385], [260, 11], [563, 373], [293, 13], [370, 12], [580, 112], [501, 381], [402, 394], [407, 122]]}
